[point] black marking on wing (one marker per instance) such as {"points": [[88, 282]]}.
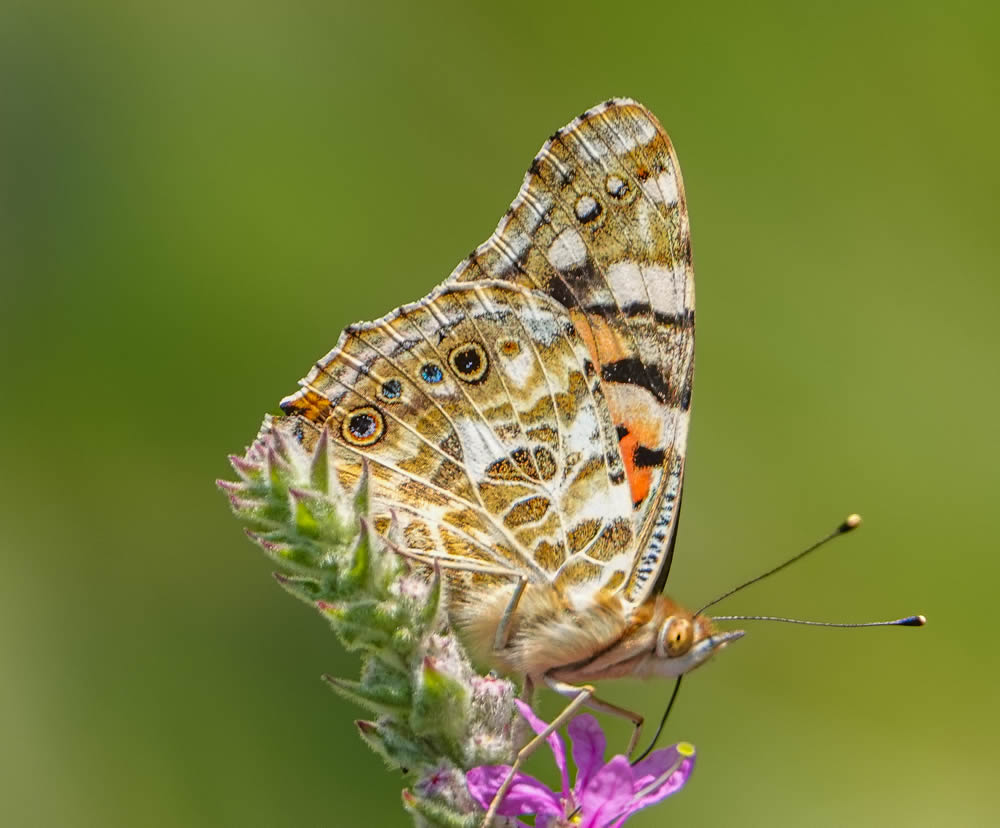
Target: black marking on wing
{"points": [[632, 371], [559, 290], [677, 320], [647, 457]]}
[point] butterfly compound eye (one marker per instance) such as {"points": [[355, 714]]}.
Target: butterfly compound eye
{"points": [[675, 637]]}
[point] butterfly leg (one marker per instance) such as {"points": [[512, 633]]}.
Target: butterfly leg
{"points": [[503, 628], [594, 703], [582, 695], [528, 690]]}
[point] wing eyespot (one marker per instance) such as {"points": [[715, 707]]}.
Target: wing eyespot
{"points": [[509, 347], [431, 373], [616, 186], [391, 390], [469, 362], [363, 427], [587, 208]]}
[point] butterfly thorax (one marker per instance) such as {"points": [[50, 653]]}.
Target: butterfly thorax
{"points": [[582, 641]]}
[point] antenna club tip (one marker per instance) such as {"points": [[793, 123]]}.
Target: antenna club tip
{"points": [[850, 522], [914, 621]]}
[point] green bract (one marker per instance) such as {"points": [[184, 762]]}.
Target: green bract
{"points": [[434, 716]]}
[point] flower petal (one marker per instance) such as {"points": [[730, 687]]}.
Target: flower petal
{"points": [[607, 795], [654, 765], [588, 744], [652, 779], [526, 795], [554, 740]]}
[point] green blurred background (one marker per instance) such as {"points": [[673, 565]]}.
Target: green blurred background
{"points": [[197, 196]]}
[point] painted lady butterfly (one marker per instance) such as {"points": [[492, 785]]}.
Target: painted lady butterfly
{"points": [[526, 422]]}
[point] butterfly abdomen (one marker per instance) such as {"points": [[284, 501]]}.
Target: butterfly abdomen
{"points": [[546, 632]]}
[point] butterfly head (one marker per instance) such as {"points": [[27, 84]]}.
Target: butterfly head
{"points": [[684, 640]]}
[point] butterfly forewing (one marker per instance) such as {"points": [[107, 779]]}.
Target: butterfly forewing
{"points": [[600, 224]]}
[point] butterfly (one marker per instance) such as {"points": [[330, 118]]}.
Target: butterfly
{"points": [[524, 425]]}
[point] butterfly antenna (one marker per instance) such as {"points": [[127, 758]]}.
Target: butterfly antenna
{"points": [[659, 728], [850, 522], [909, 621]]}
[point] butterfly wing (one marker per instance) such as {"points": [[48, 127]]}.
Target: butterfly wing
{"points": [[563, 461], [601, 225], [484, 425]]}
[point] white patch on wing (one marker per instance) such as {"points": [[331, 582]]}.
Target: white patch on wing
{"points": [[582, 433], [667, 288], [662, 189], [543, 327], [644, 132], [604, 504], [568, 250], [668, 186], [626, 281], [520, 370], [662, 287], [480, 446]]}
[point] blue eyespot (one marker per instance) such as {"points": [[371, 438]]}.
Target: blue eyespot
{"points": [[391, 389], [431, 372]]}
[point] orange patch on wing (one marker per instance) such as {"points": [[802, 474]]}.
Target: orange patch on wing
{"points": [[643, 429], [639, 479], [644, 425], [601, 339], [311, 405]]}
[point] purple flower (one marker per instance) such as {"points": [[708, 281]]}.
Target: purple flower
{"points": [[604, 796]]}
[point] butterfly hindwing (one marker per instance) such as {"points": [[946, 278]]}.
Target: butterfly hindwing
{"points": [[483, 421]]}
